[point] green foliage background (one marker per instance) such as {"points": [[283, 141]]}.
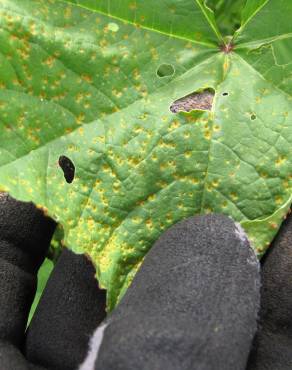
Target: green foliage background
{"points": [[228, 14]]}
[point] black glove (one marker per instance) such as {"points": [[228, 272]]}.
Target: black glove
{"points": [[272, 349], [192, 305]]}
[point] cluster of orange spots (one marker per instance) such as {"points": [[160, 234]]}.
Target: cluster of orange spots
{"points": [[106, 168], [31, 135], [116, 186], [273, 225], [134, 161], [133, 6], [80, 118], [174, 125], [49, 61], [59, 97], [87, 78], [207, 134], [149, 224], [216, 128], [166, 145], [224, 204], [136, 74], [142, 89], [15, 82], [79, 97], [234, 196], [3, 104], [280, 160], [67, 12], [81, 131], [285, 184], [136, 219], [154, 54], [91, 152], [116, 93], [103, 43], [215, 183], [188, 154]]}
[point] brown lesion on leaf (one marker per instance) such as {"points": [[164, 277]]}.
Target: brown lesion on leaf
{"points": [[199, 100]]}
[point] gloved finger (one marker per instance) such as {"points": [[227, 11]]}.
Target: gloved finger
{"points": [[11, 358], [272, 348], [25, 234], [192, 305], [71, 307]]}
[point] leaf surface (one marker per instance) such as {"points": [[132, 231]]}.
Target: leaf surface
{"points": [[265, 21], [187, 19], [93, 83], [228, 14]]}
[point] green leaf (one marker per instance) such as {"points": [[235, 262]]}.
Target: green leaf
{"points": [[188, 19], [265, 21], [97, 87], [228, 14], [43, 276]]}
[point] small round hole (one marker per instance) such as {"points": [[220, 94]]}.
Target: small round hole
{"points": [[225, 94], [253, 117], [165, 70]]}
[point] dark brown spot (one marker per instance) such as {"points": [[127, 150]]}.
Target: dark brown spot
{"points": [[68, 168]]}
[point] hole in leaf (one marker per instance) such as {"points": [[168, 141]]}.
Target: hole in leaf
{"points": [[225, 94], [68, 168], [200, 100], [253, 117], [165, 70]]}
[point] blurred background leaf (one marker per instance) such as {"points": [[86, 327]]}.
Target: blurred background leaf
{"points": [[227, 14]]}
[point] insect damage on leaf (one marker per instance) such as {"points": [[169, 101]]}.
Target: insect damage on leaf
{"points": [[106, 85], [201, 100], [165, 70], [68, 168]]}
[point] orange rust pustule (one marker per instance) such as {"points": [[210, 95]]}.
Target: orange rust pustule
{"points": [[227, 48]]}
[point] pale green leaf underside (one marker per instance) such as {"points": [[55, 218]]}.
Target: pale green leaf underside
{"points": [[83, 84]]}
